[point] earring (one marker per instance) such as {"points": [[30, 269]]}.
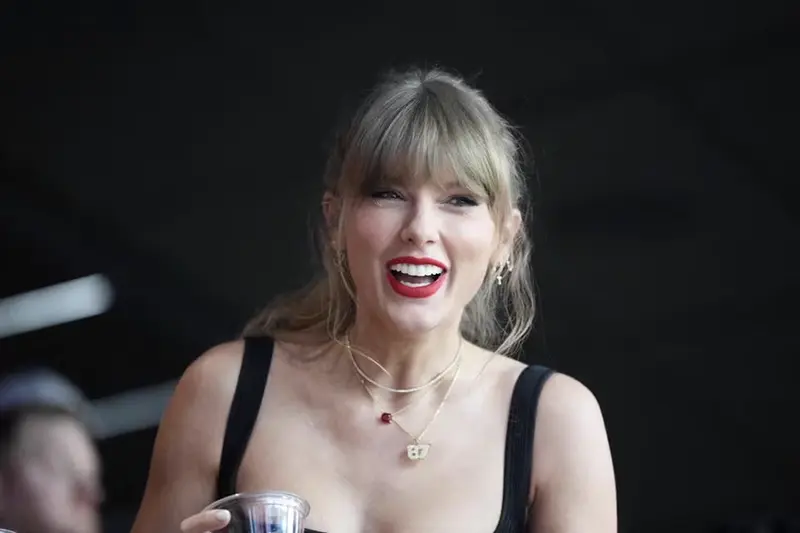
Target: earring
{"points": [[499, 271]]}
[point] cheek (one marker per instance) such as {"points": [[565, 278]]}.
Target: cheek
{"points": [[45, 491], [367, 235], [372, 227], [472, 244]]}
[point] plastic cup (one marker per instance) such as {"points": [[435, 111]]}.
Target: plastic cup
{"points": [[265, 512]]}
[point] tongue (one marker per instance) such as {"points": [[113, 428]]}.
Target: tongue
{"points": [[406, 278]]}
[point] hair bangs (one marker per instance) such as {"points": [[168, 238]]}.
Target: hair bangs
{"points": [[428, 139]]}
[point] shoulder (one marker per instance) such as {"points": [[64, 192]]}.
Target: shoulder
{"points": [[564, 404], [188, 443], [573, 474], [212, 376], [568, 421], [570, 404], [202, 398]]}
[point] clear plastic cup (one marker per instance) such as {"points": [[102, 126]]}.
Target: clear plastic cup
{"points": [[265, 512]]}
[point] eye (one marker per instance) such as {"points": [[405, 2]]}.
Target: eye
{"points": [[386, 194], [462, 201]]}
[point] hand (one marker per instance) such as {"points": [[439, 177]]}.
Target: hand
{"points": [[206, 521]]}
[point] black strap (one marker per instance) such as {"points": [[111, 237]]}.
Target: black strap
{"points": [[519, 447], [245, 406]]}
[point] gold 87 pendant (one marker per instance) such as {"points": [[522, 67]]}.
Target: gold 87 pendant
{"points": [[417, 451]]}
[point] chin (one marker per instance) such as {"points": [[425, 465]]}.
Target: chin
{"points": [[412, 325], [412, 319]]}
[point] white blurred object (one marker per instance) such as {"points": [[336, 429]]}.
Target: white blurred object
{"points": [[85, 297], [131, 411], [108, 417], [57, 304]]}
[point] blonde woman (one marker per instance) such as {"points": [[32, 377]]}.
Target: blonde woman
{"points": [[387, 393]]}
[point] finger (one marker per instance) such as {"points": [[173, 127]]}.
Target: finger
{"points": [[206, 521]]}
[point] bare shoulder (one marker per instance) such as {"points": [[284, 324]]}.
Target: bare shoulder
{"points": [[188, 444], [212, 376], [569, 404], [201, 401], [573, 477], [568, 417]]}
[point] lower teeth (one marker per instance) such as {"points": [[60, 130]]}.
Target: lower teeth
{"points": [[415, 285]]}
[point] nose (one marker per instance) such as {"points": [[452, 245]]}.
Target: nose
{"points": [[422, 225]]}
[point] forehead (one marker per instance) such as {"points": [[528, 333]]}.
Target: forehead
{"points": [[59, 440]]}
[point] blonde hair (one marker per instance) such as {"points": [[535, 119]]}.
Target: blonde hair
{"points": [[410, 127]]}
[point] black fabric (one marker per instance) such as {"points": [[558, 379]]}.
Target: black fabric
{"points": [[518, 466], [245, 406], [519, 449]]}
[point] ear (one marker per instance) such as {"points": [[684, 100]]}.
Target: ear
{"points": [[508, 233]]}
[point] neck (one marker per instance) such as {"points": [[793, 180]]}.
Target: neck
{"points": [[410, 360]]}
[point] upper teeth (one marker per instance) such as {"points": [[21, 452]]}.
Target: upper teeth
{"points": [[417, 270]]}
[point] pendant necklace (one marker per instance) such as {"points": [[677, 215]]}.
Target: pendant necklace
{"points": [[417, 450]]}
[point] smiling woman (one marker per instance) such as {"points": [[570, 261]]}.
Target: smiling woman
{"points": [[422, 128], [393, 403]]}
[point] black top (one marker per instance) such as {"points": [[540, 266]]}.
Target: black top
{"points": [[246, 404]]}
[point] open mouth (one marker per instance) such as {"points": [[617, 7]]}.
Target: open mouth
{"points": [[415, 276]]}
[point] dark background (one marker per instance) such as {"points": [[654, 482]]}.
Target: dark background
{"points": [[177, 148]]}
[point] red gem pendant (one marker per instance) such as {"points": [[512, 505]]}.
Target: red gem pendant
{"points": [[386, 418]]}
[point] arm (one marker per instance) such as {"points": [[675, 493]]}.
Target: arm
{"points": [[183, 469], [573, 474]]}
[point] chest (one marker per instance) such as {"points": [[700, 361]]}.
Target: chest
{"points": [[356, 474]]}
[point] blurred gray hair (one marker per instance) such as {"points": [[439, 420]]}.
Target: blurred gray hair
{"points": [[43, 388]]}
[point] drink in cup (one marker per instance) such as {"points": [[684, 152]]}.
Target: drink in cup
{"points": [[265, 512]]}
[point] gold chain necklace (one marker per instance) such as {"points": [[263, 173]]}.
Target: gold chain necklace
{"points": [[436, 379], [387, 415], [417, 450]]}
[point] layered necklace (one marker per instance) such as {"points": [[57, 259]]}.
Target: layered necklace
{"points": [[417, 449]]}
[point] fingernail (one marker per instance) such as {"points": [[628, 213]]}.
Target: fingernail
{"points": [[222, 515]]}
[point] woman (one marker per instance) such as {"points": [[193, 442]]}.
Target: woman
{"points": [[391, 402]]}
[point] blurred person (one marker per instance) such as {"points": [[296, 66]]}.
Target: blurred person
{"points": [[50, 479], [386, 393]]}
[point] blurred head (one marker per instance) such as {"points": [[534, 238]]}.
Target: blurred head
{"points": [[423, 211], [50, 479]]}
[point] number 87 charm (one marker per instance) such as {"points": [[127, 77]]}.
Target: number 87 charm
{"points": [[417, 451]]}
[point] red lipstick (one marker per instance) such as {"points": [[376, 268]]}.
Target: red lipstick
{"points": [[416, 290]]}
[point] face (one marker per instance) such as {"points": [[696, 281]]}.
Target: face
{"points": [[52, 481], [418, 255]]}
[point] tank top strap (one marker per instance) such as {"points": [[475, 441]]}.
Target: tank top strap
{"points": [[246, 404], [519, 447]]}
